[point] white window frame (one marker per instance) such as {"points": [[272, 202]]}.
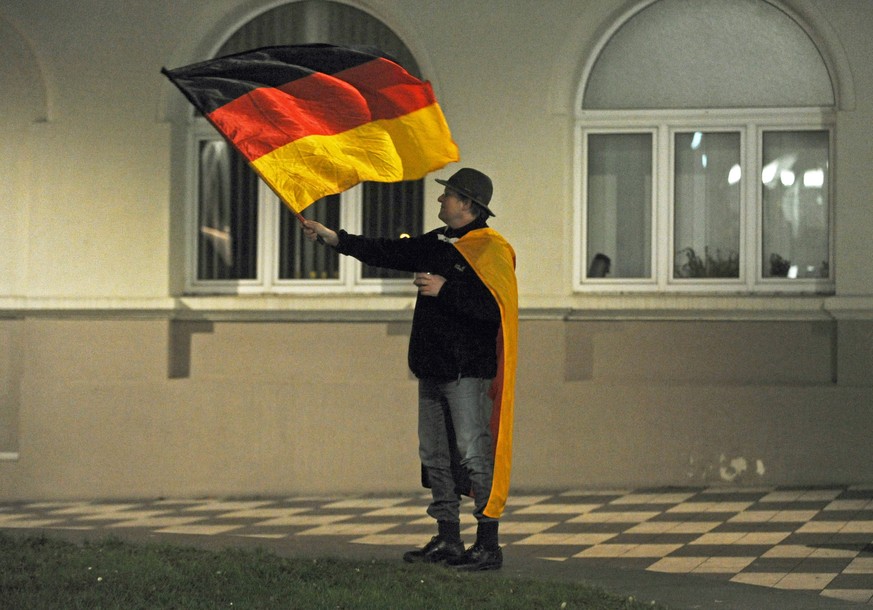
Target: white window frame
{"points": [[350, 281], [663, 124]]}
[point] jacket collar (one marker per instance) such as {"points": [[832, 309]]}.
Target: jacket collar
{"points": [[479, 223]]}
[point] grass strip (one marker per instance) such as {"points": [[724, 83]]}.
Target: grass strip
{"points": [[40, 572]]}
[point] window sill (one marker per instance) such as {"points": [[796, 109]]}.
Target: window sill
{"points": [[704, 307], [382, 308]]}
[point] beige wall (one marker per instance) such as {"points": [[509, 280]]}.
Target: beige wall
{"points": [[262, 408], [113, 383], [151, 408]]}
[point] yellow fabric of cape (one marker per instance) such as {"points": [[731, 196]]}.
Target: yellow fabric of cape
{"points": [[493, 260]]}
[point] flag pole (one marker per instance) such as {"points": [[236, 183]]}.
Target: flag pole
{"points": [[302, 222]]}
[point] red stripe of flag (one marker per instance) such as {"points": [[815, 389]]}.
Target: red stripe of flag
{"points": [[268, 118], [390, 90]]}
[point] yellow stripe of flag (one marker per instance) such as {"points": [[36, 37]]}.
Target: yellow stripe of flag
{"points": [[385, 151]]}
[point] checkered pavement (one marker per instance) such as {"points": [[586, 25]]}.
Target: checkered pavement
{"points": [[813, 539]]}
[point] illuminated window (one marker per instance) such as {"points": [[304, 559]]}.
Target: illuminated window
{"points": [[705, 165]]}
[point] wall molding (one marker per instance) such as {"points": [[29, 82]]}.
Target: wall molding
{"points": [[370, 308]]}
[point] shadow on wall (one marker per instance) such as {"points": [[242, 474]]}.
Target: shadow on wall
{"points": [[179, 346]]}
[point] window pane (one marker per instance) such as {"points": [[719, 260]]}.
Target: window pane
{"points": [[392, 211], [706, 224], [227, 214], [299, 258], [619, 204], [795, 204]]}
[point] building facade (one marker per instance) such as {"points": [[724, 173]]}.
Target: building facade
{"points": [[687, 185]]}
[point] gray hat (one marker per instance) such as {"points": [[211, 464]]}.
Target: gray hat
{"points": [[473, 184]]}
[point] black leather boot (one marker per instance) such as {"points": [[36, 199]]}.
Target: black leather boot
{"points": [[436, 551], [485, 554], [478, 559]]}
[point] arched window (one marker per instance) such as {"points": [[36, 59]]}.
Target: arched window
{"points": [[243, 238], [704, 138]]}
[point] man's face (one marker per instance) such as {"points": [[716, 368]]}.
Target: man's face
{"points": [[454, 211]]}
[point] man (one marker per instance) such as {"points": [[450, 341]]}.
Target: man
{"points": [[462, 349]]}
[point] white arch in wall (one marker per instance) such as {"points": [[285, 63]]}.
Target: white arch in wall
{"points": [[591, 33], [26, 98]]}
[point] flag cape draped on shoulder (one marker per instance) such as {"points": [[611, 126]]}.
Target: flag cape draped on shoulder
{"points": [[493, 259], [314, 120]]}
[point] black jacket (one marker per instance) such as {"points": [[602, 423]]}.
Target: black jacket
{"points": [[453, 334]]}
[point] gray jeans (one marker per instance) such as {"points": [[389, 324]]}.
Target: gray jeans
{"points": [[459, 412]]}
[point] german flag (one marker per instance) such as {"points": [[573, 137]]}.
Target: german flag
{"points": [[314, 120]]}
